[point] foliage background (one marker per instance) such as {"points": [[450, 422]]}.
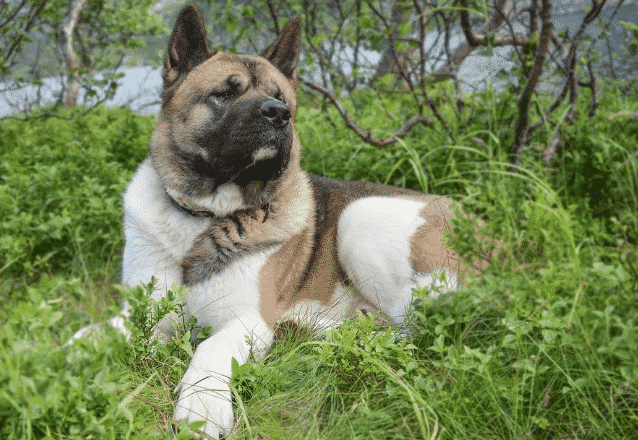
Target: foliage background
{"points": [[544, 344]]}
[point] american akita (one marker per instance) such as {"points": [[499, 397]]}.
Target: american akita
{"points": [[222, 206]]}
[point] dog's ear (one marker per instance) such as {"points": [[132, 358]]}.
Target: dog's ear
{"points": [[284, 52], [188, 46]]}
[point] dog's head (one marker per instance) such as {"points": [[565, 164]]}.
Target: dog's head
{"points": [[226, 124]]}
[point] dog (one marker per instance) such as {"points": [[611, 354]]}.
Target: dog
{"points": [[222, 206]]}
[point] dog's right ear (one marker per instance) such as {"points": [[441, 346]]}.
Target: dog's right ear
{"points": [[284, 52], [188, 46]]}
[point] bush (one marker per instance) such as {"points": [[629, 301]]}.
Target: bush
{"points": [[61, 184]]}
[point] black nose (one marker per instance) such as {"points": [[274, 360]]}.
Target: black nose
{"points": [[275, 112]]}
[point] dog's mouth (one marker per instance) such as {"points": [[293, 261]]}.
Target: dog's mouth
{"points": [[249, 156], [267, 164], [264, 153]]}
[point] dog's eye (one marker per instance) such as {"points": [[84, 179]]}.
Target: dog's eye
{"points": [[221, 94], [217, 97], [228, 89]]}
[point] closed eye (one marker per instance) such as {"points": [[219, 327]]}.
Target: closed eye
{"points": [[222, 92], [218, 96], [226, 90]]}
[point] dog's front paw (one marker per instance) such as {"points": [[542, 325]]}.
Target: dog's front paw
{"points": [[204, 397]]}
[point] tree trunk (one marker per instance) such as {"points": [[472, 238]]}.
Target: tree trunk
{"points": [[72, 88]]}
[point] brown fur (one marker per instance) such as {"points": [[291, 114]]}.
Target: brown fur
{"points": [[291, 280]]}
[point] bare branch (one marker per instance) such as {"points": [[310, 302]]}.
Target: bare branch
{"points": [[523, 99], [466, 25], [421, 20], [603, 32], [273, 15], [533, 17], [568, 68], [591, 16], [367, 137], [552, 146], [610, 53], [494, 23], [14, 48], [624, 114], [594, 89], [15, 12], [502, 8], [611, 17], [357, 48], [393, 61]]}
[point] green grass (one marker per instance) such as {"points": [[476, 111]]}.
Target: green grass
{"points": [[542, 345]]}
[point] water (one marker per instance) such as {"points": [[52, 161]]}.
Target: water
{"points": [[139, 90]]}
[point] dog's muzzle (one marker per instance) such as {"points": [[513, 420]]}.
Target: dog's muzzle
{"points": [[275, 112]]}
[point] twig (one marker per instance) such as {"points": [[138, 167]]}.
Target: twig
{"points": [[367, 137], [15, 12], [23, 32], [494, 23], [572, 81], [552, 146], [624, 114], [466, 26], [421, 17], [524, 98], [273, 14], [464, 50], [604, 29], [594, 89], [611, 17]]}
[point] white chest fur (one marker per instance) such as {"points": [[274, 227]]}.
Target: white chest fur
{"points": [[157, 234], [229, 294]]}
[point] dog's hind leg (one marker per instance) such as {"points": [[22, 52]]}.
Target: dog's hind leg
{"points": [[387, 248], [93, 330], [163, 331]]}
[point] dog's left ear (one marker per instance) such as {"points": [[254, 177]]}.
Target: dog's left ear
{"points": [[284, 52], [188, 46]]}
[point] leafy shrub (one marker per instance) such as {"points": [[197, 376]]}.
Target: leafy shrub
{"points": [[61, 184], [494, 352], [50, 391]]}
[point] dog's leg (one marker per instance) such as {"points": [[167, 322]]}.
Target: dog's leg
{"points": [[163, 331], [204, 393], [91, 331], [375, 248]]}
